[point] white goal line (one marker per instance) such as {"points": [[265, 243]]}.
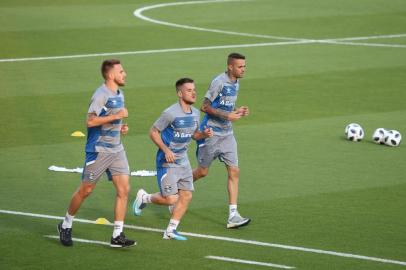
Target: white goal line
{"points": [[226, 239]]}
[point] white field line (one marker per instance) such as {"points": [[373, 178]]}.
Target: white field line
{"points": [[364, 44], [227, 259], [227, 239], [138, 13], [291, 41], [369, 37], [81, 240], [156, 51]]}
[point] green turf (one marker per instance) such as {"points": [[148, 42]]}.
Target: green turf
{"points": [[302, 183]]}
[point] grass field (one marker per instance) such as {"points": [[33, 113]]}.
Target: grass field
{"points": [[312, 67]]}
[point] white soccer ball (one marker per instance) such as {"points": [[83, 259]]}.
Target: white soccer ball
{"points": [[379, 135], [393, 138], [354, 132]]}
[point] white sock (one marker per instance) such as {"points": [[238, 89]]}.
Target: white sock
{"points": [[173, 224], [67, 222], [232, 210], [146, 198], [118, 228]]}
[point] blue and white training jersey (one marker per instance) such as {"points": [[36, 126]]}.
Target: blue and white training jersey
{"points": [[177, 129], [223, 96], [105, 138]]}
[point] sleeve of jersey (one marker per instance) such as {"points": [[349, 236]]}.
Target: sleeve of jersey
{"points": [[214, 90], [97, 105], [163, 121]]}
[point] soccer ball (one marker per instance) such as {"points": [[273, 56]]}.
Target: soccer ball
{"points": [[354, 132], [379, 136], [393, 138]]}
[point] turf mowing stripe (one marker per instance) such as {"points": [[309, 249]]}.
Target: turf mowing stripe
{"points": [[155, 51], [227, 239], [138, 13], [81, 240], [226, 259]]}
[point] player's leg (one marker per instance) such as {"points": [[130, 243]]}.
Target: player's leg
{"points": [[84, 190], [166, 179], [185, 197], [94, 168], [179, 210], [200, 172], [230, 157], [119, 173], [122, 185], [65, 227], [158, 199], [206, 152], [232, 184], [185, 189]]}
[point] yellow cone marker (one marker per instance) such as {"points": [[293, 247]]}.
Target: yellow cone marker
{"points": [[102, 221], [77, 134]]}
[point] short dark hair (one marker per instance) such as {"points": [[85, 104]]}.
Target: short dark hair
{"points": [[107, 65], [233, 56], [182, 81]]}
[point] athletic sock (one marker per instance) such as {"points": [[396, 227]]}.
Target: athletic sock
{"points": [[146, 198], [232, 210], [173, 224], [118, 228], [67, 222]]}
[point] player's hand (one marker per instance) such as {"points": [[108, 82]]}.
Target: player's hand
{"points": [[170, 156], [244, 111], [123, 113], [208, 132], [124, 129], [233, 116]]}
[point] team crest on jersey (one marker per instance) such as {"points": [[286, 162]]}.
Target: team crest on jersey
{"points": [[178, 134], [168, 189]]}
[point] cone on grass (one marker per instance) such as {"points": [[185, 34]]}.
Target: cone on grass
{"points": [[102, 221], [78, 134]]}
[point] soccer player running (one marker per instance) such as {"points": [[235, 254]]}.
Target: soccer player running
{"points": [[104, 153], [172, 133], [219, 106]]}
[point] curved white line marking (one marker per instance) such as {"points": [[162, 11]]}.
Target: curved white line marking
{"points": [[222, 238], [138, 13], [291, 41]]}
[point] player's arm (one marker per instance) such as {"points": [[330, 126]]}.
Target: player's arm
{"points": [[198, 135], [230, 116], [93, 120], [155, 136]]}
